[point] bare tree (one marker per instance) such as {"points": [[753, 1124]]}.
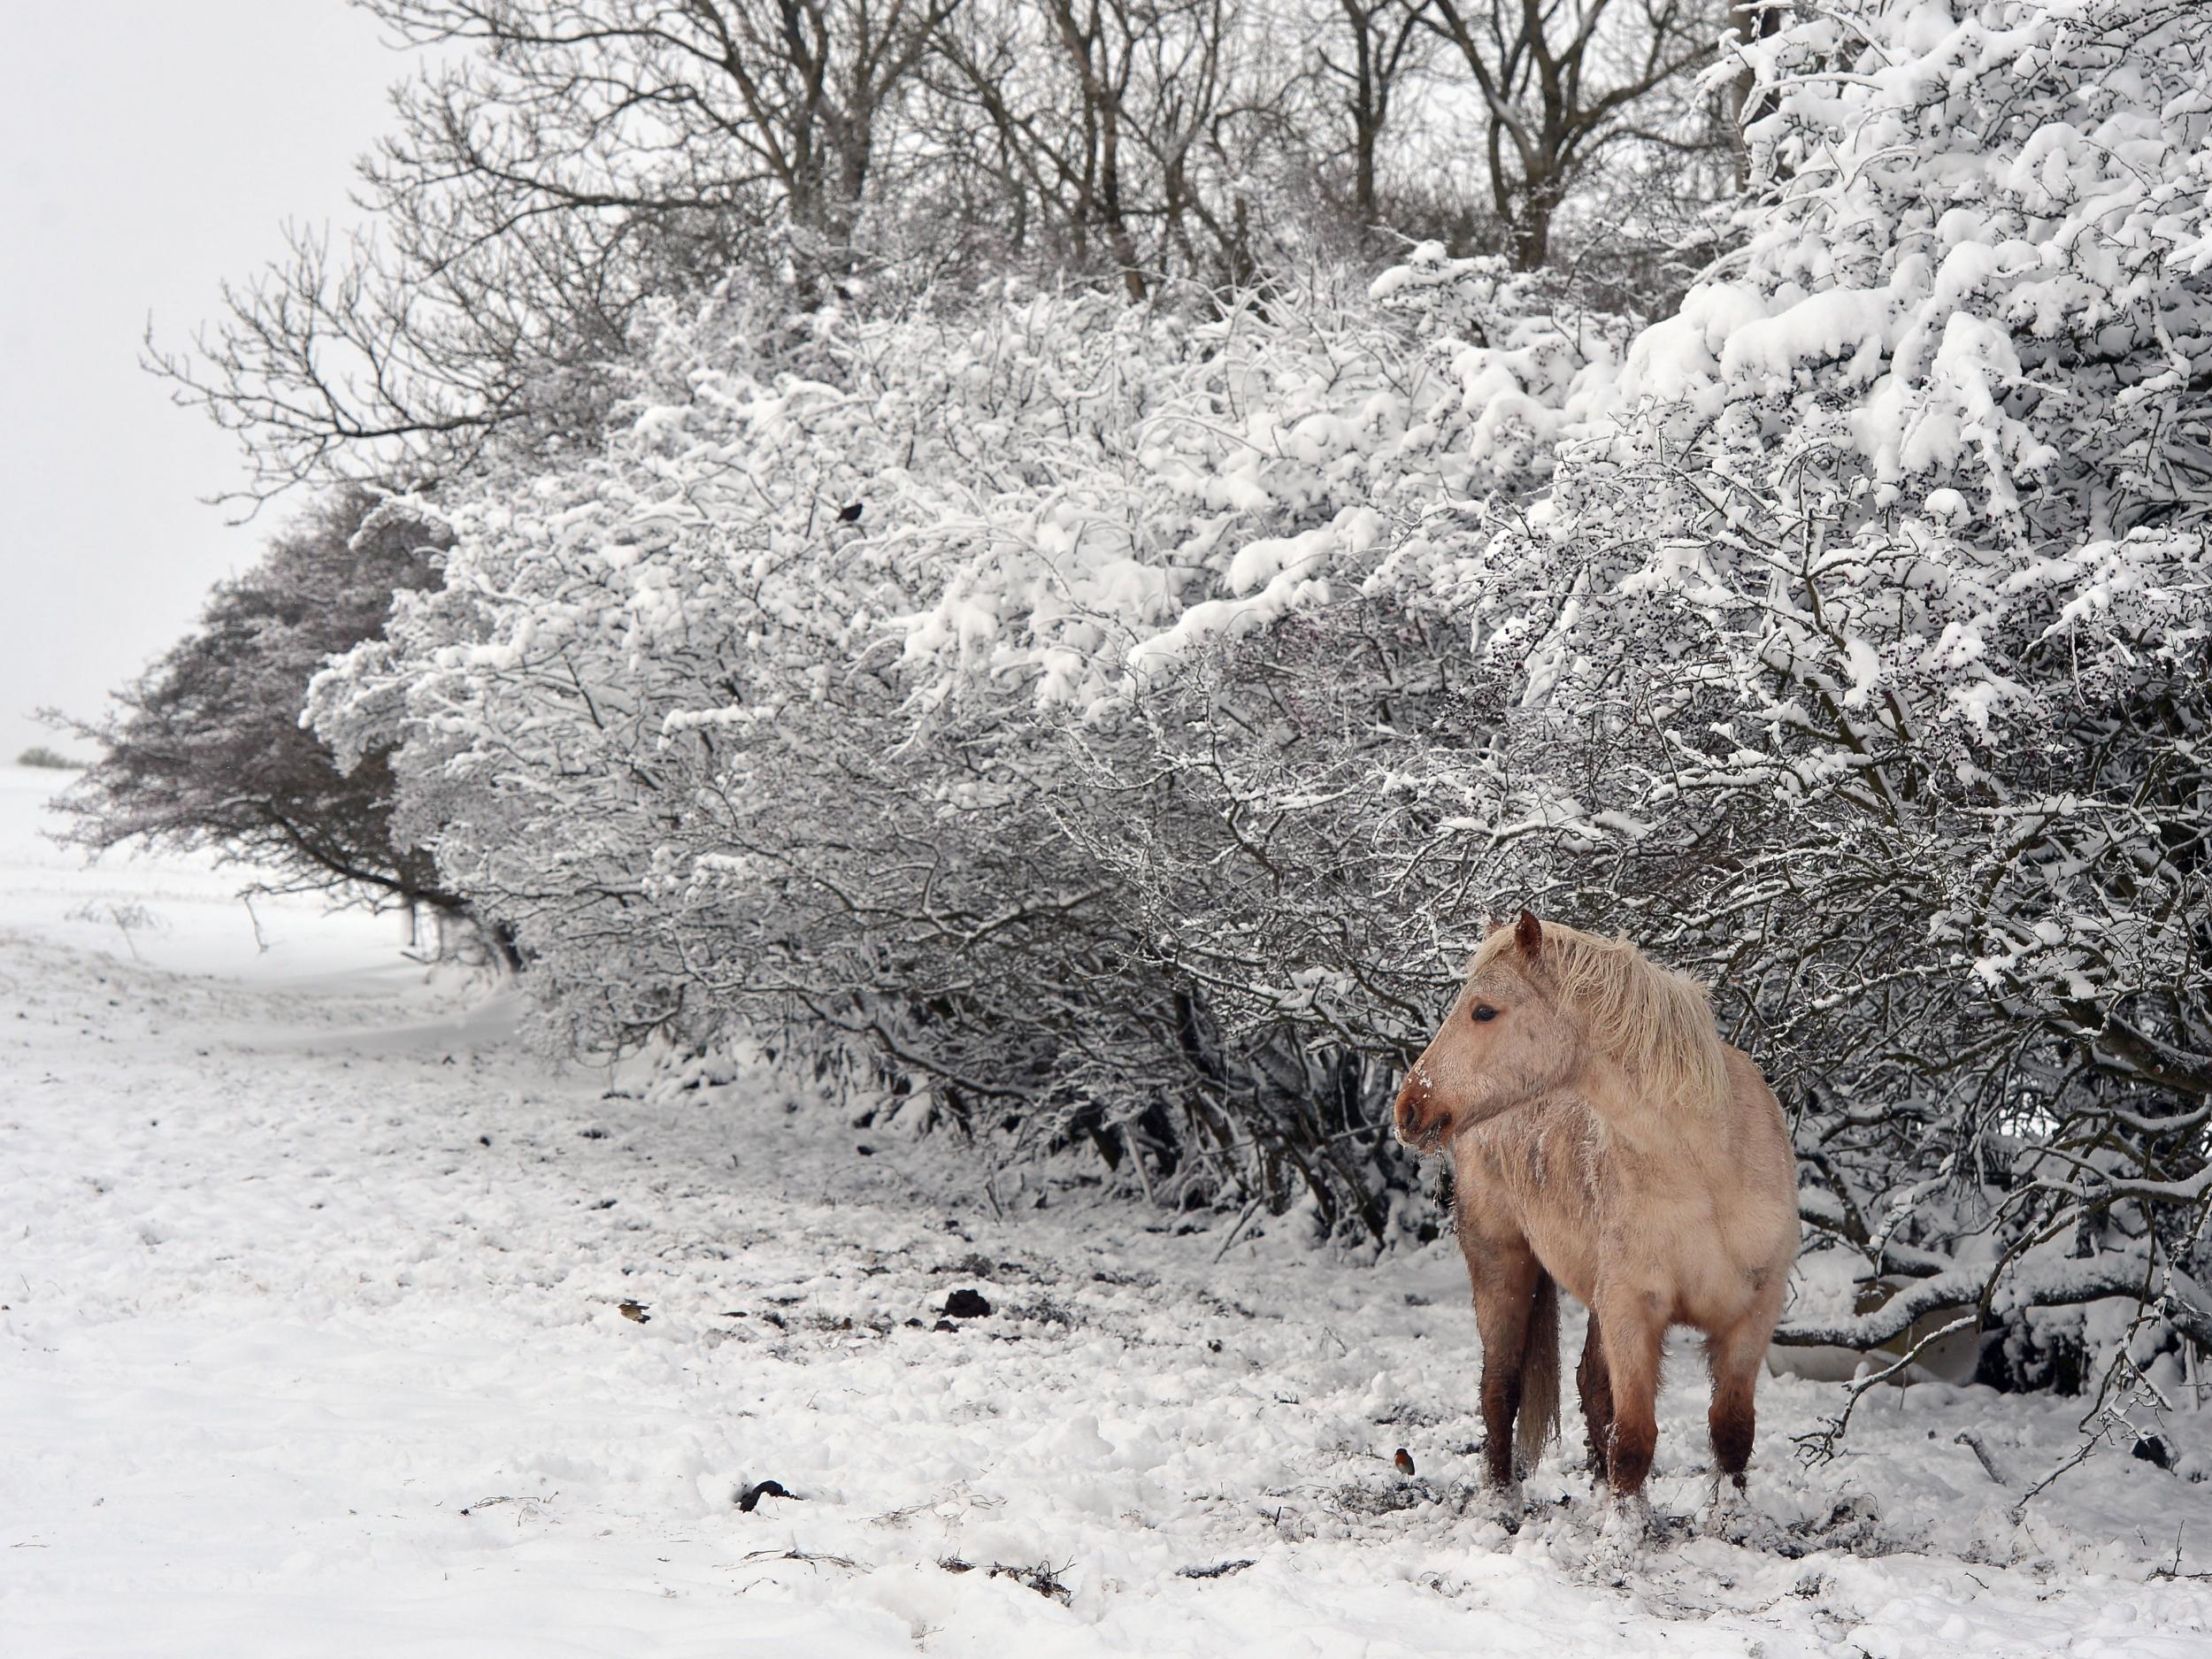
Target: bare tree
{"points": [[205, 750], [557, 166], [554, 165], [1053, 80], [374, 357], [729, 108], [1376, 48], [1127, 134], [1562, 81]]}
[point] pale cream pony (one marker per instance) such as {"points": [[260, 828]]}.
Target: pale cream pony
{"points": [[1605, 1138]]}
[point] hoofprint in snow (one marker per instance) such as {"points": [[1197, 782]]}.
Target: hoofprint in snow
{"points": [[333, 1323]]}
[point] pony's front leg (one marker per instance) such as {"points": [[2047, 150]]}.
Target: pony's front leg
{"points": [[1505, 1278], [1630, 1326], [1630, 1331]]}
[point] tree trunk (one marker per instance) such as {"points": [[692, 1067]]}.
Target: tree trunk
{"points": [[1751, 22], [1532, 232]]}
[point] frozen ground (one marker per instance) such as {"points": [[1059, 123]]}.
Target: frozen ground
{"points": [[313, 1342]]}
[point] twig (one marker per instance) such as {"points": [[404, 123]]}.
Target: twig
{"points": [[1222, 1569], [1972, 1440], [2081, 1455], [1820, 1446], [990, 1191], [2173, 1571], [1249, 1211]]}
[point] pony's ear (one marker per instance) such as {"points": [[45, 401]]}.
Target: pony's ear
{"points": [[1528, 933]]}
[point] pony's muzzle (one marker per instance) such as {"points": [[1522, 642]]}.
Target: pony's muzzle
{"points": [[1422, 1123]]}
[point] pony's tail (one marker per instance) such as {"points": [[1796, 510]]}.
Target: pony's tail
{"points": [[1540, 1375]]}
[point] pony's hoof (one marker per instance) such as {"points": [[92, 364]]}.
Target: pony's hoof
{"points": [[1623, 1536], [1505, 1505], [1628, 1520], [1728, 1516]]}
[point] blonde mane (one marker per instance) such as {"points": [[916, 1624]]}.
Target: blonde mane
{"points": [[1656, 1023]]}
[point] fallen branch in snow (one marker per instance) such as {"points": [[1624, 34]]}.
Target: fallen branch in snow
{"points": [[1219, 1569], [2053, 1284], [2175, 1571], [1972, 1440], [2080, 1455], [2124, 1382], [1819, 1446], [1042, 1578], [801, 1554], [1250, 1210], [523, 1506]]}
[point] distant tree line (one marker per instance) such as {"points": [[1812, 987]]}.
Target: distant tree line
{"points": [[556, 167]]}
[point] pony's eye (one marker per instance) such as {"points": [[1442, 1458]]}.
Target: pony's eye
{"points": [[1483, 1010]]}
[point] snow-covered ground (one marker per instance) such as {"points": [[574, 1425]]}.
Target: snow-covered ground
{"points": [[314, 1340]]}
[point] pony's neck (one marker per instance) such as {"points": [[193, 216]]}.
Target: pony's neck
{"points": [[1641, 1115]]}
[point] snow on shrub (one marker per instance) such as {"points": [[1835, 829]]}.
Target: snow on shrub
{"points": [[1304, 445], [1854, 649]]}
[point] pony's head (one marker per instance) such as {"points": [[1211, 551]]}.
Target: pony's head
{"points": [[1505, 1040], [1539, 1000]]}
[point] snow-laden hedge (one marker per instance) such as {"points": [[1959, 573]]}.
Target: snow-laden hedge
{"points": [[1108, 725], [816, 701]]}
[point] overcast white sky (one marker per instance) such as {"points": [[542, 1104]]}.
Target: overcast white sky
{"points": [[149, 149]]}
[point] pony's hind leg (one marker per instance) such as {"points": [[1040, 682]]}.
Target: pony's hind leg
{"points": [[1505, 1277], [1596, 1383]]}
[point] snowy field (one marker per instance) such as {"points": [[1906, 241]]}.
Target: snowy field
{"points": [[314, 1340]]}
